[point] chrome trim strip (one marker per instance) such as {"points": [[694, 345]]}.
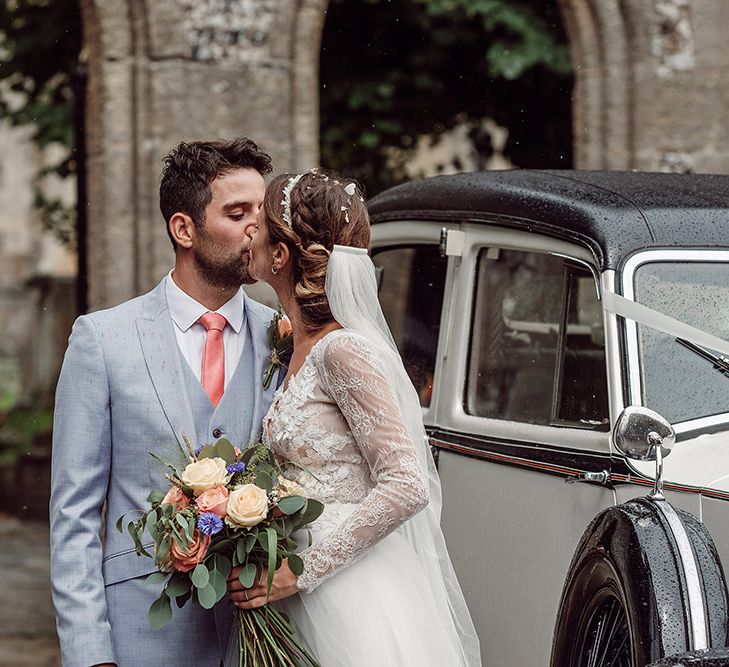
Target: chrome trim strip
{"points": [[694, 594], [613, 357], [631, 329]]}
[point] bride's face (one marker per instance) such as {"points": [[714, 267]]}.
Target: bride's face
{"points": [[259, 250]]}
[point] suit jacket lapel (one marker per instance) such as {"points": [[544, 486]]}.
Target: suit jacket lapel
{"points": [[164, 363]]}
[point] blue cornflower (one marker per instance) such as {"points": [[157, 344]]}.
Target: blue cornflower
{"points": [[209, 523], [197, 450], [236, 467]]}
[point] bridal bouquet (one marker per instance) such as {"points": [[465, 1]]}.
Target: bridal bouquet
{"points": [[227, 508]]}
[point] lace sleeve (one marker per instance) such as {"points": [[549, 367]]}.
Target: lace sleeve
{"points": [[353, 377]]}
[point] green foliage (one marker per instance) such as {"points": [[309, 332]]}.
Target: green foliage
{"points": [[392, 72], [41, 42], [20, 430]]}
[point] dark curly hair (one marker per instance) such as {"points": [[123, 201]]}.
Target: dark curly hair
{"points": [[322, 215], [190, 168]]}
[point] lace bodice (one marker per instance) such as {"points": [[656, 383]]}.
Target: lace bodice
{"points": [[339, 420]]}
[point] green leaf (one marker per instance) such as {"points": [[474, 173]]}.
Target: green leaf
{"points": [[291, 504], [247, 575], [160, 613], [207, 452], [200, 576], [224, 565], [156, 578], [264, 480], [225, 450], [119, 524], [180, 600], [179, 584], [219, 583], [250, 543], [207, 596], [272, 554], [296, 565], [313, 511], [164, 547], [155, 497], [240, 550]]}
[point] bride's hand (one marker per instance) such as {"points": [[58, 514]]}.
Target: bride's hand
{"points": [[283, 586]]}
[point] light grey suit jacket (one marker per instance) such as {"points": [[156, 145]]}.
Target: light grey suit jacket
{"points": [[121, 394]]}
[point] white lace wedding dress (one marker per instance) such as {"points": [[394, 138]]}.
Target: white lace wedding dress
{"points": [[365, 600]]}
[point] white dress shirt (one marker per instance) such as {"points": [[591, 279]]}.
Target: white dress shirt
{"points": [[185, 312]]}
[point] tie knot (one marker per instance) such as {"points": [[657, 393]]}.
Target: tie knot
{"points": [[213, 321]]}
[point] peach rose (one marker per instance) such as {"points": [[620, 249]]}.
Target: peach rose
{"points": [[205, 474], [214, 500], [247, 506], [176, 497], [237, 451], [284, 327], [185, 560]]}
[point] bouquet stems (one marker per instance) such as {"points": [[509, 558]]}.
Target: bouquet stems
{"points": [[266, 639]]}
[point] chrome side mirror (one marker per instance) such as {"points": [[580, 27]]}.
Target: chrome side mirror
{"points": [[644, 435]]}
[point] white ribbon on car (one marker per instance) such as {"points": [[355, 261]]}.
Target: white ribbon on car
{"points": [[655, 319]]}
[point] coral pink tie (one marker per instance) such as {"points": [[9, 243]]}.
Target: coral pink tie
{"points": [[213, 361]]}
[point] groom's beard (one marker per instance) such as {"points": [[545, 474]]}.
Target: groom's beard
{"points": [[226, 272]]}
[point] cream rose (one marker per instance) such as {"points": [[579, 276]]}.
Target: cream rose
{"points": [[247, 506], [205, 474]]}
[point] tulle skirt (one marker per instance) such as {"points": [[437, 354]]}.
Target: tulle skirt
{"points": [[377, 611]]}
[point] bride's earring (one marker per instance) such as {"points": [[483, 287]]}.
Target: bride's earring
{"points": [[274, 270]]}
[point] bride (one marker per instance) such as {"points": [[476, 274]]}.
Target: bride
{"points": [[378, 587]]}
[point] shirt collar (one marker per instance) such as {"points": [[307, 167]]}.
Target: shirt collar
{"points": [[185, 311]]}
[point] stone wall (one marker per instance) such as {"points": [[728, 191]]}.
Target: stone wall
{"points": [[179, 70], [652, 84]]}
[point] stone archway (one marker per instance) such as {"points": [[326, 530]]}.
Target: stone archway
{"points": [[650, 84], [168, 70]]}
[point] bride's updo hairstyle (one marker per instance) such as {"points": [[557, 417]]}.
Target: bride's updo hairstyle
{"points": [[322, 214]]}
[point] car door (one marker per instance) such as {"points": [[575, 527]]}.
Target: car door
{"points": [[520, 405]]}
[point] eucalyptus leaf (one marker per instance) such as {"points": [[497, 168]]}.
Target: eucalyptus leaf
{"points": [[160, 613], [224, 565], [179, 584], [225, 450], [156, 578], [240, 550], [163, 548], [247, 575], [207, 596], [250, 542], [291, 504], [207, 452], [313, 511], [155, 497], [180, 600], [219, 582], [264, 480], [200, 576]]}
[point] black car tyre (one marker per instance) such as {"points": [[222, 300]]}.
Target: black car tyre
{"points": [[626, 601]]}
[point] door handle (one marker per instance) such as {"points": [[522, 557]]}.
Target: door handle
{"points": [[602, 477]]}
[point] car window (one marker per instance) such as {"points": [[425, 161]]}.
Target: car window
{"points": [[412, 279], [677, 383], [537, 351]]}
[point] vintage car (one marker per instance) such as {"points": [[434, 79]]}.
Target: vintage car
{"points": [[548, 395]]}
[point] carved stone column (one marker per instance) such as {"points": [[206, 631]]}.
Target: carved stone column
{"points": [[651, 84], [171, 70]]}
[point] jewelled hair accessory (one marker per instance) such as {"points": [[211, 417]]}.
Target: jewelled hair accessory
{"points": [[286, 201]]}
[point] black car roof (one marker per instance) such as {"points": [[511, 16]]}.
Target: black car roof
{"points": [[614, 213]]}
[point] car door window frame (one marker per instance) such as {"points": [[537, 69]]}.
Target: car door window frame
{"points": [[451, 412], [405, 233]]}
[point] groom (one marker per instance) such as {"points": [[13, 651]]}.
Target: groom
{"points": [[138, 378]]}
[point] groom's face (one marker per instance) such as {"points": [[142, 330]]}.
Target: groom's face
{"points": [[221, 245]]}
